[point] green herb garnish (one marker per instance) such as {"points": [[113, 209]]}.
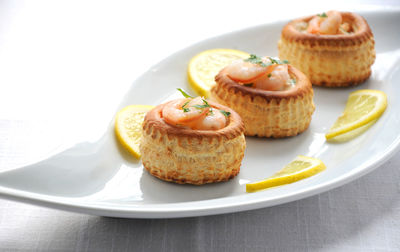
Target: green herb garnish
{"points": [[184, 93], [185, 109], [225, 113], [274, 61], [277, 61], [254, 59], [248, 84], [198, 106], [269, 75], [323, 15], [292, 82], [205, 105]]}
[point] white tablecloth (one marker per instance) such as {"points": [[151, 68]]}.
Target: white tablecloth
{"points": [[361, 216], [60, 62]]}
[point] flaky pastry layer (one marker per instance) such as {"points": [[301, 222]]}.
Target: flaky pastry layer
{"points": [[330, 60], [268, 113], [189, 156]]}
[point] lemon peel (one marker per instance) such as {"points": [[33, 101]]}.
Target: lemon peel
{"points": [[300, 168], [351, 134]]}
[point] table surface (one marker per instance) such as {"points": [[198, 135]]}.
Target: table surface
{"points": [[60, 61]]}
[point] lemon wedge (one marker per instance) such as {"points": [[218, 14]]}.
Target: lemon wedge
{"points": [[362, 107], [300, 168], [203, 67], [128, 127]]}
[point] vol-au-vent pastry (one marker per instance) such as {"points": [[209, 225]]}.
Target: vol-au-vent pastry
{"points": [[273, 98], [333, 49], [193, 141]]}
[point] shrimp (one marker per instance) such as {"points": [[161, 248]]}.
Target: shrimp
{"points": [[331, 24], [247, 72], [345, 28], [244, 72], [325, 25], [194, 113], [262, 75], [176, 114], [276, 80], [313, 25], [213, 121]]}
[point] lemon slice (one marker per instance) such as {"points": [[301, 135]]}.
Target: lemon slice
{"points": [[300, 168], [128, 127], [351, 134], [203, 67], [363, 106]]}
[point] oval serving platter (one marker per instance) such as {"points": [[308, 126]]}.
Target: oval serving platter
{"points": [[100, 178]]}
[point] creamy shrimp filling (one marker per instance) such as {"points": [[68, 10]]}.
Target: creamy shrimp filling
{"points": [[265, 73], [329, 23], [194, 113]]}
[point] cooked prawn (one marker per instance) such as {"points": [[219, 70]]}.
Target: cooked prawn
{"points": [[245, 72], [276, 80], [176, 114], [345, 28], [325, 25], [271, 77], [193, 113], [313, 25], [213, 121]]}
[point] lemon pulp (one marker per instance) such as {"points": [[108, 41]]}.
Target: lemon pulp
{"points": [[362, 107], [203, 67], [128, 127]]}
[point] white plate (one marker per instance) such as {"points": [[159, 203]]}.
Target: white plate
{"points": [[100, 178]]}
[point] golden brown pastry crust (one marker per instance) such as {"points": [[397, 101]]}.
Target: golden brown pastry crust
{"points": [[330, 60], [268, 113], [183, 155]]}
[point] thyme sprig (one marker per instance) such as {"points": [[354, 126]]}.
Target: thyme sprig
{"points": [[291, 82], [225, 113], [186, 95], [197, 106], [185, 109], [254, 59], [202, 106]]}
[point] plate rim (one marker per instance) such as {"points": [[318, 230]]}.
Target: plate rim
{"points": [[170, 212]]}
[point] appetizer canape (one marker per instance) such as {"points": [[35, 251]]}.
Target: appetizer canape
{"points": [[333, 49], [192, 140], [273, 98]]}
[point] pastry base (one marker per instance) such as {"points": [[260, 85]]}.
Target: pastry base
{"points": [[187, 156], [268, 113], [330, 60]]}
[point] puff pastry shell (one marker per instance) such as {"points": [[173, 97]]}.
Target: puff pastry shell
{"points": [[268, 113], [189, 156], [330, 60]]}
